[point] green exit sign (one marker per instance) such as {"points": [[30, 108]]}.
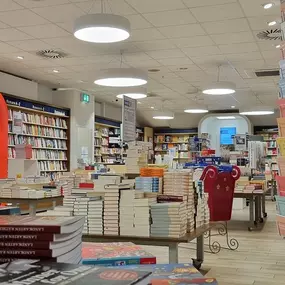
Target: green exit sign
{"points": [[85, 98]]}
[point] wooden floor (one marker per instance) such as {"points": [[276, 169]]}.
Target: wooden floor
{"points": [[260, 259]]}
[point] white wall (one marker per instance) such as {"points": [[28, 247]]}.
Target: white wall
{"points": [[81, 123], [211, 125], [108, 111]]}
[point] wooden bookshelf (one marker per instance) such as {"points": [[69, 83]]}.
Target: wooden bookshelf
{"points": [[46, 128]]}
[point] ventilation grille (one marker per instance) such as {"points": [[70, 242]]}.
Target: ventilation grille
{"points": [[266, 73], [271, 35], [51, 54]]}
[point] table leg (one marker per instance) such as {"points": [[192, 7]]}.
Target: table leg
{"points": [[251, 214], [199, 252], [263, 206], [32, 209], [53, 204], [173, 253]]}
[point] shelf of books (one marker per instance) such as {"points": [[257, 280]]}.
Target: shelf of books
{"points": [[167, 139], [45, 128]]}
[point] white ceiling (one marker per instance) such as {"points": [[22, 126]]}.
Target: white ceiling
{"points": [[195, 35]]}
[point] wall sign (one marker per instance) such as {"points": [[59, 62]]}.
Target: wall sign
{"points": [[17, 123], [129, 119], [85, 98]]}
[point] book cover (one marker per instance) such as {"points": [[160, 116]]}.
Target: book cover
{"points": [[199, 281], [42, 224], [169, 198], [36, 273], [115, 254]]}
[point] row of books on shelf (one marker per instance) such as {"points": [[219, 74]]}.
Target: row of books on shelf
{"points": [[171, 138], [43, 131], [37, 142], [40, 154], [99, 132], [169, 146], [40, 119], [52, 166]]}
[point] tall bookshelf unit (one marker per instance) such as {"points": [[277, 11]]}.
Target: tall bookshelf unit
{"points": [[46, 128]]}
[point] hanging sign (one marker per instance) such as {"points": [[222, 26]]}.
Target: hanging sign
{"points": [[17, 123], [129, 119], [240, 142]]}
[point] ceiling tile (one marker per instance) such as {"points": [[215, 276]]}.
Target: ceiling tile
{"points": [[30, 45], [145, 35], [232, 38], [254, 8], [8, 5], [200, 3], [229, 26], [217, 13], [244, 56], [44, 31], [197, 41], [37, 3], [175, 61], [59, 13], [271, 54], [182, 31], [20, 18], [119, 7], [27, 56], [260, 23], [239, 48], [42, 63], [12, 34], [138, 22], [147, 6], [166, 53], [155, 45], [170, 18], [201, 51], [6, 48]]}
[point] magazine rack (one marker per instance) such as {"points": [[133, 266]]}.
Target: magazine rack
{"points": [[219, 183]]}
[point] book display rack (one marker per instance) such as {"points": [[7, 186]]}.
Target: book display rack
{"points": [[45, 128]]}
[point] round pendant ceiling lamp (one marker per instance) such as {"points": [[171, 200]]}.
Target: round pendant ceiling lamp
{"points": [[257, 111], [102, 28], [196, 111], [220, 88], [134, 93], [163, 115], [122, 77]]}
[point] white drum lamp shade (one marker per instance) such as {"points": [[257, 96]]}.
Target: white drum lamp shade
{"points": [[163, 115], [220, 88], [102, 28], [196, 111], [134, 93], [122, 77]]}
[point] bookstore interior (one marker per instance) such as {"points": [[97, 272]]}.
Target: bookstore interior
{"points": [[142, 142]]}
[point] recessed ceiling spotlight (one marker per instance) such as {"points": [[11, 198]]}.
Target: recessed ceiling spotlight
{"points": [[272, 23], [233, 107], [151, 107], [55, 71], [268, 6], [278, 46], [183, 68], [139, 102], [20, 57]]}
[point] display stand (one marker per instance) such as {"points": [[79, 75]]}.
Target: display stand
{"points": [[219, 182], [22, 168]]}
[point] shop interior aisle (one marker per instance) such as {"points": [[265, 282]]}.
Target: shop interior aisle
{"points": [[260, 259]]}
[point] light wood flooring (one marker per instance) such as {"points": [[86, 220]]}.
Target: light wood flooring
{"points": [[260, 259]]}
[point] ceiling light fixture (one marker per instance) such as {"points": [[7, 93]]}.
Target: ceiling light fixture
{"points": [[278, 46], [20, 57], [151, 107], [256, 111], [55, 71], [226, 118], [122, 77], [163, 115], [196, 111], [102, 27], [268, 6], [134, 93], [233, 107], [272, 23], [219, 87]]}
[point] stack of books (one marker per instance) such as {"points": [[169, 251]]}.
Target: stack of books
{"points": [[104, 180], [61, 211], [69, 201], [115, 254], [66, 183], [149, 184], [81, 209], [95, 216], [111, 208], [127, 213], [9, 210], [177, 184], [168, 220], [48, 237], [142, 216], [241, 183]]}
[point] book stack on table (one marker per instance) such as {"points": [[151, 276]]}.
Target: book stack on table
{"points": [[127, 213], [49, 237], [104, 180], [95, 216], [60, 211], [115, 254], [149, 184], [66, 184], [111, 208], [9, 210], [180, 183], [169, 219]]}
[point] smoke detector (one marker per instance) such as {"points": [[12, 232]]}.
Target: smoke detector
{"points": [[271, 35], [51, 54]]}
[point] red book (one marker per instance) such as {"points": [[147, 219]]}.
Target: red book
{"points": [[39, 225], [86, 185]]}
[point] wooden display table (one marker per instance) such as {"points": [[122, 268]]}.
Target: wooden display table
{"points": [[34, 204], [171, 243], [257, 211]]}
